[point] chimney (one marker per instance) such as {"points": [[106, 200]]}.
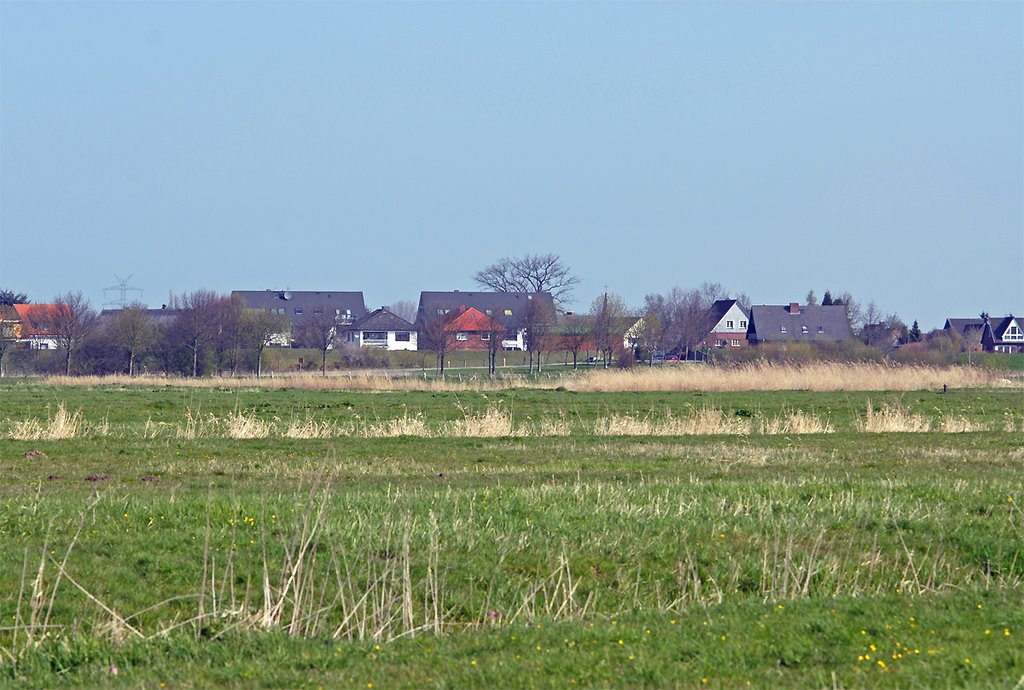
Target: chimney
{"points": [[794, 307]]}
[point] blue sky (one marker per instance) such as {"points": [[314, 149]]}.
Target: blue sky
{"points": [[869, 147]]}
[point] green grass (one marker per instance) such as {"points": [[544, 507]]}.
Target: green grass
{"points": [[727, 558]]}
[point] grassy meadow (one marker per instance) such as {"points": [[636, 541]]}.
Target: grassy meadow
{"points": [[547, 532]]}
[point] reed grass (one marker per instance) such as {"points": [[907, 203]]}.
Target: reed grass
{"points": [[759, 376]]}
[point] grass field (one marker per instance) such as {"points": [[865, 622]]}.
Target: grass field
{"points": [[186, 536]]}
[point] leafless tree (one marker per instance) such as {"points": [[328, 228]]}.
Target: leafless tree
{"points": [[854, 312], [608, 312], [72, 321], [197, 325], [647, 334], [494, 333], [132, 331], [684, 315], [404, 309], [318, 332], [258, 328], [536, 320], [436, 336], [574, 332], [530, 273]]}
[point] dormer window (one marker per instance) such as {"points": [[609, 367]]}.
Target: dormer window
{"points": [[820, 329], [508, 312], [803, 329], [783, 329]]}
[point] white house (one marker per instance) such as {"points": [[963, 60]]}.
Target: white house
{"points": [[383, 330]]}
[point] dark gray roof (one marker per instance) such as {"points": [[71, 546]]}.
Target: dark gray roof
{"points": [[343, 307], [775, 323], [492, 304], [961, 325], [719, 310], [381, 320], [160, 317]]}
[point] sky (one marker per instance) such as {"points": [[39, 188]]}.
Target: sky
{"points": [[875, 148]]}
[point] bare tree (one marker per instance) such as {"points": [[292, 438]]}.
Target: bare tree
{"points": [[530, 273], [536, 320], [436, 336], [133, 332], [647, 334], [72, 321], [197, 324], [318, 332], [854, 312], [684, 315], [404, 309], [608, 312], [257, 330], [574, 332], [493, 333]]}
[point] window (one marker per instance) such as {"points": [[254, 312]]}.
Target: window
{"points": [[782, 329], [728, 324], [485, 336], [508, 312], [821, 329], [402, 336], [461, 335], [318, 311], [803, 329], [743, 325], [735, 342], [719, 343], [375, 335], [298, 310], [489, 312]]}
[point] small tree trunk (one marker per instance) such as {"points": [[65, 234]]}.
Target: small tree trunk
{"points": [[131, 364], [259, 362]]}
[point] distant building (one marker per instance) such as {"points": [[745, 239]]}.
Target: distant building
{"points": [[35, 327], [382, 329], [730, 324], [999, 334], [340, 308], [795, 323], [511, 309]]}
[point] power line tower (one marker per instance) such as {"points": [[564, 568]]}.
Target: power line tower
{"points": [[122, 288]]}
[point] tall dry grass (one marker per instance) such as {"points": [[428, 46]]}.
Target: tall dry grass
{"points": [[62, 425], [760, 376]]}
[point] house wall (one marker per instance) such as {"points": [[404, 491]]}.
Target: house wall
{"points": [[739, 322]]}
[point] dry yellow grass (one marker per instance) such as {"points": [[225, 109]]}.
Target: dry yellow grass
{"points": [[62, 425], [242, 425], [893, 418], [764, 376], [704, 422], [796, 422]]}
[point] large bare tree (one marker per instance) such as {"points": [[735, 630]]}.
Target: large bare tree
{"points": [[197, 325], [536, 320], [71, 321], [318, 331], [133, 332], [574, 331], [684, 315], [436, 336], [607, 314], [257, 330], [530, 273]]}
